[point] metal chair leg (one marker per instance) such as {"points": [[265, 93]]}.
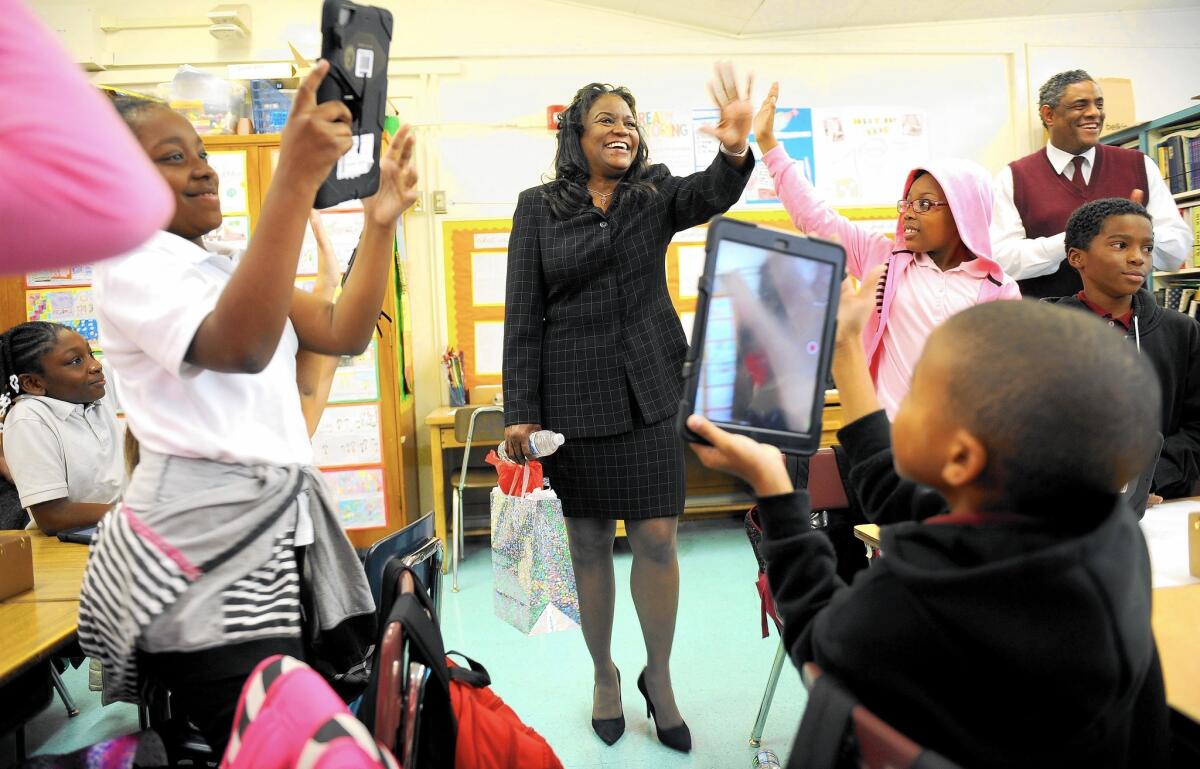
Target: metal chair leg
{"points": [[455, 525], [61, 688], [760, 723]]}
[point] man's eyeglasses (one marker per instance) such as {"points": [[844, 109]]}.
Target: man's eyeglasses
{"points": [[921, 206]]}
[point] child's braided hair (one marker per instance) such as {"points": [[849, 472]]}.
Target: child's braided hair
{"points": [[21, 351]]}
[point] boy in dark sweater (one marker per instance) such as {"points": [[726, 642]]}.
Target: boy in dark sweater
{"points": [[1012, 626], [1110, 243]]}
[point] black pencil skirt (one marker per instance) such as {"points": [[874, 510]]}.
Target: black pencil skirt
{"points": [[631, 476]]}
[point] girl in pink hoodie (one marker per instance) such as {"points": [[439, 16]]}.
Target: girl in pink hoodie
{"points": [[940, 263]]}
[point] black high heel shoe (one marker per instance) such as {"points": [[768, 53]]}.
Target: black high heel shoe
{"points": [[677, 737], [610, 729]]}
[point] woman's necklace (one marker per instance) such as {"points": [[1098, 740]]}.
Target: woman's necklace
{"points": [[603, 196]]}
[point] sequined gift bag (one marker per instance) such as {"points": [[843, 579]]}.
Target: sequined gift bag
{"points": [[531, 564]]}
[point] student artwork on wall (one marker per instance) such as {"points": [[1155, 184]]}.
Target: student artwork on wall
{"points": [[344, 226], [347, 436], [231, 168], [793, 129], [864, 154], [80, 275], [356, 378], [69, 306], [359, 496]]}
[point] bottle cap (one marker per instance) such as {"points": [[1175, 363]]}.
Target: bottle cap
{"points": [[559, 439]]}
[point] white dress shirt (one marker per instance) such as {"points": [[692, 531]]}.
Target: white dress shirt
{"points": [[1023, 257]]}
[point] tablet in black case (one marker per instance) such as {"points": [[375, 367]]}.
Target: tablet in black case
{"points": [[355, 41], [766, 313]]}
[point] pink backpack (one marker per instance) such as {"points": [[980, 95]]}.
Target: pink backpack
{"points": [[288, 717]]}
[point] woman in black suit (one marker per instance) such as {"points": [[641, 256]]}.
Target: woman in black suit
{"points": [[593, 349]]}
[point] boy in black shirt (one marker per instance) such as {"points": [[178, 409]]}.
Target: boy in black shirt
{"points": [[1110, 242], [1011, 627]]}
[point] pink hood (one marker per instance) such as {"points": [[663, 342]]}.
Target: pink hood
{"points": [[968, 190]]}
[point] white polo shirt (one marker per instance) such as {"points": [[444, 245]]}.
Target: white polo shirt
{"points": [[150, 303], [57, 449]]}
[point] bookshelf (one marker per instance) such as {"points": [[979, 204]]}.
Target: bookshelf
{"points": [[1174, 142]]}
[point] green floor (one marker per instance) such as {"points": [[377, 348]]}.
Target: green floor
{"points": [[720, 666]]}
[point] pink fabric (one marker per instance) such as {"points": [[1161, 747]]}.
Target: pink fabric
{"points": [[189, 569], [914, 300], [289, 722], [78, 187]]}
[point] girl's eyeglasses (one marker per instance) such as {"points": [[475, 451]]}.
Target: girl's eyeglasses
{"points": [[921, 206]]}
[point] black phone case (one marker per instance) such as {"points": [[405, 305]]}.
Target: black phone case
{"points": [[355, 40], [722, 227]]}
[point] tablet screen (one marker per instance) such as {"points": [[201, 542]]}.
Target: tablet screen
{"points": [[760, 366]]}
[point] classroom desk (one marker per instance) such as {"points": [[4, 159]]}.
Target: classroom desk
{"points": [[31, 632], [703, 498], [39, 622], [57, 569]]}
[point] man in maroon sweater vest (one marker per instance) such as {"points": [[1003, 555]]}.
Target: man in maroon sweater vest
{"points": [[1035, 195]]}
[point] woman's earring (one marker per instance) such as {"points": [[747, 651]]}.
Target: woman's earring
{"points": [[14, 383]]}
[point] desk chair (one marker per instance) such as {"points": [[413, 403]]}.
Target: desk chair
{"points": [[826, 492], [837, 732], [416, 546], [485, 425]]}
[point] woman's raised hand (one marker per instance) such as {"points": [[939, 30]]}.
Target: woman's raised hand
{"points": [[737, 111], [764, 121], [315, 135]]}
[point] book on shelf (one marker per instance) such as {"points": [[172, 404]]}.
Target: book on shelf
{"points": [[1179, 159], [1186, 296], [1193, 307]]}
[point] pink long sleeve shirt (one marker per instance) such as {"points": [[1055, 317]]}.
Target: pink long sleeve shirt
{"points": [[918, 295], [76, 186]]}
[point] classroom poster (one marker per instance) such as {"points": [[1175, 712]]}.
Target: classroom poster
{"points": [[231, 169], [489, 347], [793, 130], [79, 275], [69, 306], [348, 435], [489, 270], [668, 137], [344, 228], [864, 154], [358, 496], [356, 378]]}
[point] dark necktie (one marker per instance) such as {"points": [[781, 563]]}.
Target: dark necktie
{"points": [[1077, 177]]}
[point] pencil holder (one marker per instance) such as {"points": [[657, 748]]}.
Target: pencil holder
{"points": [[458, 396]]}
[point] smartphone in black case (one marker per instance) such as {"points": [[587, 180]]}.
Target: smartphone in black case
{"points": [[355, 40]]}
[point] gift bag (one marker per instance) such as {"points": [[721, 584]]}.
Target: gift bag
{"points": [[531, 564]]}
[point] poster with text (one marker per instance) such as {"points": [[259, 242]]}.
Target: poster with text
{"points": [[79, 275], [348, 435], [864, 154], [669, 139], [793, 131], [343, 229]]}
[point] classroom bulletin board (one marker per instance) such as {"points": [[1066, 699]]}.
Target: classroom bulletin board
{"points": [[476, 252]]}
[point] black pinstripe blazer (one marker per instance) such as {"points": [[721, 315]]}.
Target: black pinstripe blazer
{"points": [[587, 315]]}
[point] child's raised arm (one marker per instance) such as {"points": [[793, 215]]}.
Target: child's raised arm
{"points": [[810, 214], [345, 328], [242, 332]]}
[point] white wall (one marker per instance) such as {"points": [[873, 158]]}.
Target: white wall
{"points": [[477, 76]]}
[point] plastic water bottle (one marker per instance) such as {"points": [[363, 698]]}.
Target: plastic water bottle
{"points": [[765, 759], [543, 443]]}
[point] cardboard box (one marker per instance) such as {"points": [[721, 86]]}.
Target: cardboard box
{"points": [[1118, 104], [16, 565]]}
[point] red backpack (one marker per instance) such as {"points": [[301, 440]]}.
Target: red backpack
{"points": [[462, 723], [490, 734]]}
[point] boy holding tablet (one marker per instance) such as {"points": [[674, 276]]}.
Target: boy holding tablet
{"points": [[1013, 630]]}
